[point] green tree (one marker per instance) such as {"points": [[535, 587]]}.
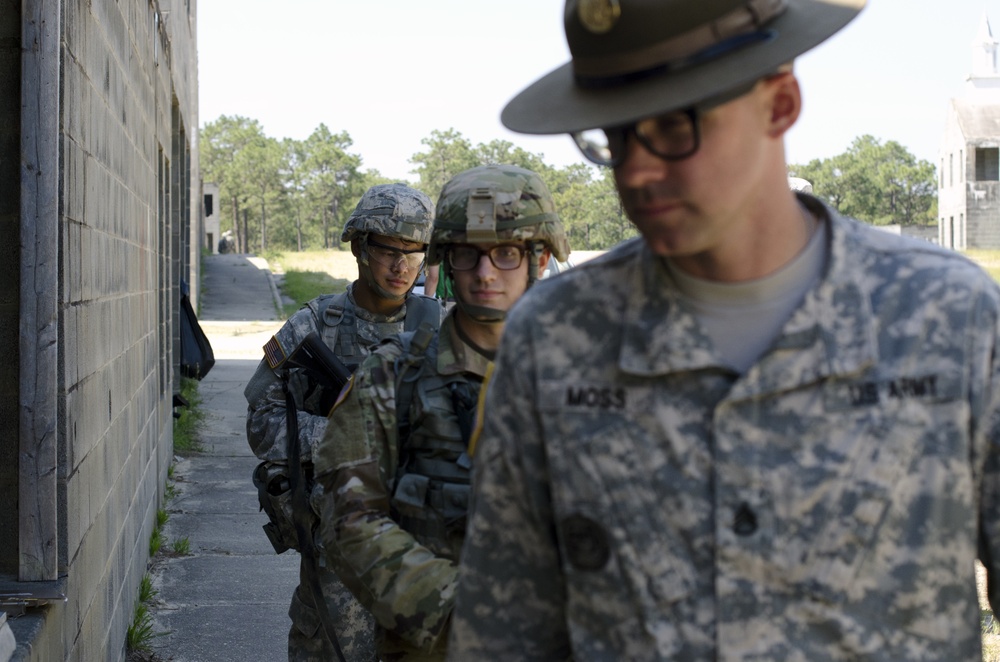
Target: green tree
{"points": [[878, 183], [223, 143], [448, 153], [333, 180]]}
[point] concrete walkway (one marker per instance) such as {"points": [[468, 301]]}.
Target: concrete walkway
{"points": [[228, 599]]}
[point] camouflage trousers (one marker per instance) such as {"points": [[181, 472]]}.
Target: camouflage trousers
{"points": [[307, 642]]}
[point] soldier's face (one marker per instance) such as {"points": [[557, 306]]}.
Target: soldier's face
{"points": [[394, 263], [489, 286], [702, 205]]}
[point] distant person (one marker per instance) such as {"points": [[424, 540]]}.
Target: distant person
{"points": [[760, 431], [226, 243], [395, 497], [388, 231]]}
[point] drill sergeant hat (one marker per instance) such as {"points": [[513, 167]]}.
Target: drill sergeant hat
{"points": [[638, 58], [390, 210], [496, 204]]}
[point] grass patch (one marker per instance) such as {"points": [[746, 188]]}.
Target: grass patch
{"points": [[169, 491], [187, 424], [182, 546], [987, 259], [161, 518], [139, 635], [146, 590], [303, 286], [155, 541]]}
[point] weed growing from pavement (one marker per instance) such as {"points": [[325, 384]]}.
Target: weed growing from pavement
{"points": [[155, 541], [186, 426], [139, 634], [182, 546]]}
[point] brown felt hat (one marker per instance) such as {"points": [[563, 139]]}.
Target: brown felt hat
{"points": [[636, 58]]}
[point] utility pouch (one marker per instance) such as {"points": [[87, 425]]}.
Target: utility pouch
{"points": [[275, 497], [410, 497]]}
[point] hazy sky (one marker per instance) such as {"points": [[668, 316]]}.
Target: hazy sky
{"points": [[390, 71]]}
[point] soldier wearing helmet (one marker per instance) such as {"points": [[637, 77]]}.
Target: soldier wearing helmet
{"points": [[388, 231], [395, 496]]}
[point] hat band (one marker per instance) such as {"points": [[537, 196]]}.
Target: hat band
{"points": [[683, 50]]}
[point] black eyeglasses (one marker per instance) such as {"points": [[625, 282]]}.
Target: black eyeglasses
{"points": [[390, 256], [505, 257], [671, 136]]}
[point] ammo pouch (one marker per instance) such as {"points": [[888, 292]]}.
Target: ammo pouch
{"points": [[440, 506], [275, 496]]}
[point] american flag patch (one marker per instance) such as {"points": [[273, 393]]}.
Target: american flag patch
{"points": [[273, 353]]}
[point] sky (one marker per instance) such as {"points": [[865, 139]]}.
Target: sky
{"points": [[389, 72]]}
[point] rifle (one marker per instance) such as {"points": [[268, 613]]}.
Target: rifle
{"points": [[330, 372]]}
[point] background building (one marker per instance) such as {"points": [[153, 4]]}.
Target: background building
{"points": [[100, 219], [969, 166]]}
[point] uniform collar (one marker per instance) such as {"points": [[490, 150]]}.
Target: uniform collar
{"points": [[831, 333], [454, 356]]}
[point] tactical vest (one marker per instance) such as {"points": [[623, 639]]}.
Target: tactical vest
{"points": [[339, 331], [430, 494], [340, 324]]}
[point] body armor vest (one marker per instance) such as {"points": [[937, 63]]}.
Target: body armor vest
{"points": [[431, 492]]}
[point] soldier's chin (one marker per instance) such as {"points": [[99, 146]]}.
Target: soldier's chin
{"points": [[395, 291]]}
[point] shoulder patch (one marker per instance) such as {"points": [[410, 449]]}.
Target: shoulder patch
{"points": [[274, 353]]}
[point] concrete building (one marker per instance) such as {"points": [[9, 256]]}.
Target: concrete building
{"points": [[100, 219], [969, 166], [213, 231]]}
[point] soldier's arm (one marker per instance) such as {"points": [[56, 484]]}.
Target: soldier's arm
{"points": [[266, 420], [511, 590], [405, 586], [267, 429]]}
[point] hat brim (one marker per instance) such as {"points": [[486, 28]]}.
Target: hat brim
{"points": [[556, 104]]}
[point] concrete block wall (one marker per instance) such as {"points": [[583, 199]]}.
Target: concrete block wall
{"points": [[128, 108], [10, 126], [983, 220]]}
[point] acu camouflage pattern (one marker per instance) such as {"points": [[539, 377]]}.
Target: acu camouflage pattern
{"points": [[391, 210], [522, 207], [635, 499], [267, 434], [404, 574]]}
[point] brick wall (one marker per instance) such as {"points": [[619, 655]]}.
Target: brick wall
{"points": [[129, 171]]}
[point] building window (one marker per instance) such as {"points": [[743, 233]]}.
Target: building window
{"points": [[987, 164], [951, 170], [208, 204]]}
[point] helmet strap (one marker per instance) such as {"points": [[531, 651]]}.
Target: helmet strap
{"points": [[535, 251]]}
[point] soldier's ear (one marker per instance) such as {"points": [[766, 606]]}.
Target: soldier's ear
{"points": [[356, 247]]}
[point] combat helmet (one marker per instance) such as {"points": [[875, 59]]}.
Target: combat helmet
{"points": [[494, 204], [391, 210]]}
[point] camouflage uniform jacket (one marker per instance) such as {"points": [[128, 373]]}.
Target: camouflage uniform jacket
{"points": [[398, 533], [350, 332], [635, 499]]}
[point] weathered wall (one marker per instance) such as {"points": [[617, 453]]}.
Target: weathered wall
{"points": [[128, 175], [10, 137], [983, 209]]}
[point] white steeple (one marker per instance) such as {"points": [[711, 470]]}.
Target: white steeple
{"points": [[985, 77]]}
